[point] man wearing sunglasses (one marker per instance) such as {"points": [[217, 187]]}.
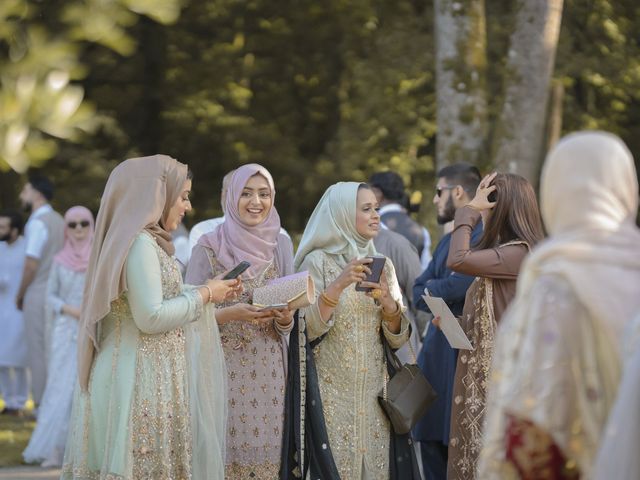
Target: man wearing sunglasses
{"points": [[44, 236], [455, 188]]}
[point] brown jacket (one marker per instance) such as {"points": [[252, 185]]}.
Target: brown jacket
{"points": [[488, 297]]}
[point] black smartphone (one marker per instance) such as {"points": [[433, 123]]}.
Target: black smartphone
{"points": [[376, 267], [237, 271]]}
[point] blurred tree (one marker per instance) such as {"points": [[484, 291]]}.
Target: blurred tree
{"points": [[40, 97], [317, 92], [519, 134], [461, 63], [518, 114]]}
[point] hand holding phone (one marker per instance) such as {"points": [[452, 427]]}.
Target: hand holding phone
{"points": [[236, 271], [376, 266]]}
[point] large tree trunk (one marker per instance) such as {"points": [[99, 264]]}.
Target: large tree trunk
{"points": [[554, 121], [461, 59], [518, 141]]}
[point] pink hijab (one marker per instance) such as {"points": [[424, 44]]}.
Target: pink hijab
{"points": [[75, 253], [233, 241]]}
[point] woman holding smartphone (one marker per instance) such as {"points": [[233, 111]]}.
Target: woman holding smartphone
{"points": [[339, 375], [150, 361], [253, 339]]}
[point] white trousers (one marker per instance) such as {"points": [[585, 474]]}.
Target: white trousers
{"points": [[14, 386]]}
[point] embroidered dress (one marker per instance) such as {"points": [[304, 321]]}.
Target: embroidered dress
{"points": [[136, 420], [486, 300], [256, 367], [471, 378], [48, 440], [350, 368]]}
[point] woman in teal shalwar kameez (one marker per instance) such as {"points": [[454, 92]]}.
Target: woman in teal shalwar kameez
{"points": [[149, 403]]}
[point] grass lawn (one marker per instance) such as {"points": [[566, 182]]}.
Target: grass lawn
{"points": [[14, 436]]}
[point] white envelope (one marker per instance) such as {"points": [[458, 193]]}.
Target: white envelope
{"points": [[448, 323]]}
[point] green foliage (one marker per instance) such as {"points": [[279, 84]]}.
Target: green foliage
{"points": [[599, 64], [40, 95], [316, 91]]}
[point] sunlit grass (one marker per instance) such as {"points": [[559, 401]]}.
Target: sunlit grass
{"points": [[14, 436]]}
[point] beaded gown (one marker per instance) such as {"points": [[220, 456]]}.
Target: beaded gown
{"points": [[256, 368], [350, 366], [135, 421]]}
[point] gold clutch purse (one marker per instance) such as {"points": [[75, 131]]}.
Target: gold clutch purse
{"points": [[297, 291]]}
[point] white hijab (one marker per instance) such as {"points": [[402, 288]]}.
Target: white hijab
{"points": [[332, 227], [589, 201]]}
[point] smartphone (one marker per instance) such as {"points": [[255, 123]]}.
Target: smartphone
{"points": [[376, 267], [237, 271], [277, 306]]}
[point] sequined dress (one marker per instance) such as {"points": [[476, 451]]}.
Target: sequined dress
{"points": [[350, 367], [486, 300], [134, 422], [256, 367]]}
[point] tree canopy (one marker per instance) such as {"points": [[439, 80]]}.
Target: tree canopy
{"points": [[316, 91]]}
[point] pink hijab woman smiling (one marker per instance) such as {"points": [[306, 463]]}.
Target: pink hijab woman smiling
{"points": [[251, 226]]}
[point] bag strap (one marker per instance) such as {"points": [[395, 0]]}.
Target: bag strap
{"points": [[390, 358]]}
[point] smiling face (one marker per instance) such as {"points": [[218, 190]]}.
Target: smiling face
{"points": [[255, 201], [179, 208], [367, 216]]}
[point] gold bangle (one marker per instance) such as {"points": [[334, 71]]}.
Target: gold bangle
{"points": [[330, 302], [210, 293], [391, 316]]}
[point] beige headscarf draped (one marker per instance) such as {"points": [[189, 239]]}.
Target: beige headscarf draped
{"points": [[138, 196], [332, 227], [589, 203]]}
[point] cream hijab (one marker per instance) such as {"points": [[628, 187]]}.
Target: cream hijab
{"points": [[589, 201], [138, 196], [332, 227]]}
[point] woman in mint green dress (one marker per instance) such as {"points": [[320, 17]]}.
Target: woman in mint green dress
{"points": [[149, 403]]}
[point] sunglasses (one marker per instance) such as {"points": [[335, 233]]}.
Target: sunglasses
{"points": [[81, 224], [439, 190]]}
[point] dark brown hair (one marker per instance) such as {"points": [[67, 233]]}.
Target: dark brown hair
{"points": [[516, 215]]}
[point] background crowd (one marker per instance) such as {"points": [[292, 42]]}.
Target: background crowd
{"points": [[139, 356]]}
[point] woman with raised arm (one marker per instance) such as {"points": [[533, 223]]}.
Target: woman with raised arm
{"points": [[150, 403], [507, 205], [254, 339]]}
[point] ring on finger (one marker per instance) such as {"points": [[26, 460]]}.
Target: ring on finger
{"points": [[376, 293], [359, 268]]}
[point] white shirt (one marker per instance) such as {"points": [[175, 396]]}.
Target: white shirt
{"points": [[207, 226], [36, 233], [200, 229], [425, 257]]}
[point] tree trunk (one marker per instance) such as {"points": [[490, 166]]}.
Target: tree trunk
{"points": [[461, 60], [554, 122], [518, 141]]}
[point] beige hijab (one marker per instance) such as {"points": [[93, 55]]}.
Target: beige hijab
{"points": [[562, 372], [589, 203], [138, 196]]}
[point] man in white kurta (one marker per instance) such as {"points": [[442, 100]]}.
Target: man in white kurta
{"points": [[44, 235], [14, 385]]}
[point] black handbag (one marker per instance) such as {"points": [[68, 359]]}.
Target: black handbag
{"points": [[406, 396]]}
